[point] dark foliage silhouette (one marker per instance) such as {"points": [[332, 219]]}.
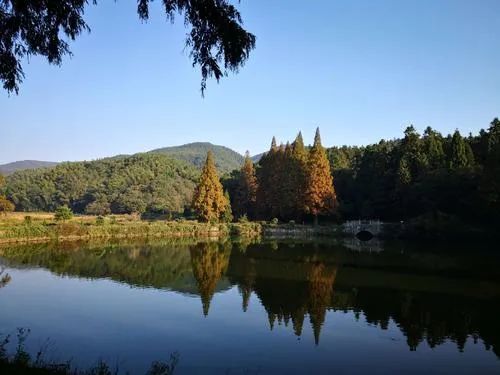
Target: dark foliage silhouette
{"points": [[216, 40]]}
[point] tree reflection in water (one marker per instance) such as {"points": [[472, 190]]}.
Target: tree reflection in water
{"points": [[430, 298]]}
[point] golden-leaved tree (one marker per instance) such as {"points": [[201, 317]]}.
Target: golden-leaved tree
{"points": [[319, 194], [209, 201]]}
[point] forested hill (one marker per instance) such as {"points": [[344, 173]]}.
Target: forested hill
{"points": [[138, 183], [9, 168], [226, 159]]}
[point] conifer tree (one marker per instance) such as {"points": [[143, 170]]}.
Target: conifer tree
{"points": [[246, 194], [287, 183], [298, 175], [404, 173], [299, 151], [209, 202], [268, 177], [434, 148], [319, 194], [461, 153]]}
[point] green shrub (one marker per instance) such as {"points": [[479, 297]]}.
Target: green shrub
{"points": [[99, 220], [274, 221], [28, 220], [63, 213], [243, 219]]}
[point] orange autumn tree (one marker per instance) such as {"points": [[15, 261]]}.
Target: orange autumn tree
{"points": [[319, 194], [209, 201]]}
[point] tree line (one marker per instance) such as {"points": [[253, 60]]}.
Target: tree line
{"points": [[289, 183], [431, 178], [427, 176]]}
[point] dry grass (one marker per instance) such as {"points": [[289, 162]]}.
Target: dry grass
{"points": [[48, 217]]}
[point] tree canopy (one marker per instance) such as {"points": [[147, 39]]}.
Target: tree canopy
{"points": [[133, 184], [216, 39]]}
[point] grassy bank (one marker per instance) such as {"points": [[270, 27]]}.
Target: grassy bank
{"points": [[18, 227], [41, 226]]}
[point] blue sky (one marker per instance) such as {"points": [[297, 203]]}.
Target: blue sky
{"points": [[361, 70]]}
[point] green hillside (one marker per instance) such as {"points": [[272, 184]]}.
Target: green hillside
{"points": [[195, 153], [138, 183]]}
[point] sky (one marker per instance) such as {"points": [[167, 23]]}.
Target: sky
{"points": [[361, 70]]}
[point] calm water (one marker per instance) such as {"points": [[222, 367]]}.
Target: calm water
{"points": [[273, 307]]}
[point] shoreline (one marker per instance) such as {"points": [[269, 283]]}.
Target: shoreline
{"points": [[42, 228], [74, 230]]}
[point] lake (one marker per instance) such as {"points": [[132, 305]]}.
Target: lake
{"points": [[271, 307]]}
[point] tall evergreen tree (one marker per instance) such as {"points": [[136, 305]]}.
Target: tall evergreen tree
{"points": [[413, 151], [461, 152], [319, 194], [299, 150], [404, 173], [209, 202], [287, 183], [490, 185], [268, 177], [434, 148], [246, 194], [297, 173]]}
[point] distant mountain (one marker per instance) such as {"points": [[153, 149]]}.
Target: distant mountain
{"points": [[192, 153], [257, 157], [10, 168], [196, 153]]}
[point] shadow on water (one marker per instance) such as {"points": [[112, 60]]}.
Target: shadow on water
{"points": [[432, 297]]}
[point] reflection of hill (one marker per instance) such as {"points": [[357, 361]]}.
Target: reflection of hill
{"points": [[161, 265]]}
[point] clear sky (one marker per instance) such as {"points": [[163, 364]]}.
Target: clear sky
{"points": [[361, 70]]}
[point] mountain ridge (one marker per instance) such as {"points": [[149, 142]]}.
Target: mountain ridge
{"points": [[193, 153], [19, 165]]}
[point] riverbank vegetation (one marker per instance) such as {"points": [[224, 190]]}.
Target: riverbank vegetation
{"points": [[46, 226], [21, 362]]}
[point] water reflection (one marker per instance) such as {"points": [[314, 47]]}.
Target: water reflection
{"points": [[4, 277], [209, 261], [432, 298]]}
